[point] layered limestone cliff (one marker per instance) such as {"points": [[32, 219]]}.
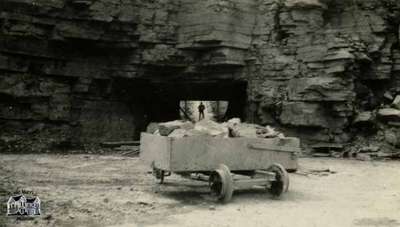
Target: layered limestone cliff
{"points": [[78, 72]]}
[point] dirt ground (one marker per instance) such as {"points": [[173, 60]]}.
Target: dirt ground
{"points": [[94, 190]]}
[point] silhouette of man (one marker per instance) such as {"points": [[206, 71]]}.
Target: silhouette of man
{"points": [[201, 108]]}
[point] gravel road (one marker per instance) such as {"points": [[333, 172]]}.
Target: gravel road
{"points": [[94, 190]]}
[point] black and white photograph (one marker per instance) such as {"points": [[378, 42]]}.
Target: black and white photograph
{"points": [[200, 113]]}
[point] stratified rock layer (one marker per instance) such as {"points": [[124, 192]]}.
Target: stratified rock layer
{"points": [[76, 72]]}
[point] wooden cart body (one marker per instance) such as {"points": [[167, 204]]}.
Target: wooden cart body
{"points": [[206, 153]]}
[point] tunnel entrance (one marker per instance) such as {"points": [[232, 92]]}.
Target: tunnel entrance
{"points": [[213, 110], [154, 101]]}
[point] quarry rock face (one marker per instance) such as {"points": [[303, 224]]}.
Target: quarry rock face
{"points": [[76, 72]]}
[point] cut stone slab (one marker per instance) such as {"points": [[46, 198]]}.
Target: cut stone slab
{"points": [[269, 132], [389, 114], [167, 128], [243, 130], [238, 129]]}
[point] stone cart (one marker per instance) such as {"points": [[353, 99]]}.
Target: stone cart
{"points": [[227, 164]]}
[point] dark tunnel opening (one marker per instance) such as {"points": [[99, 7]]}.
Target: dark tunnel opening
{"points": [[151, 101]]}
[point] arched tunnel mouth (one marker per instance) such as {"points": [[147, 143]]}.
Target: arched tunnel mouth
{"points": [[161, 101]]}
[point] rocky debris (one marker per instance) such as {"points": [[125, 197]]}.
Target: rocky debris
{"points": [[268, 132], [204, 127], [192, 132], [366, 153], [374, 153], [327, 149], [239, 129], [231, 128], [358, 152], [211, 128], [166, 128], [179, 129]]}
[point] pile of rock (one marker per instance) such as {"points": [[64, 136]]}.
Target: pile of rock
{"points": [[371, 152], [380, 127], [238, 129], [231, 128], [389, 120], [368, 152]]}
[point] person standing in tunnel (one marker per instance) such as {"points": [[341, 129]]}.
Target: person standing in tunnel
{"points": [[201, 108]]}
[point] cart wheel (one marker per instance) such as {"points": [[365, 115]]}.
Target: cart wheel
{"points": [[221, 183], [160, 176], [158, 173], [281, 184]]}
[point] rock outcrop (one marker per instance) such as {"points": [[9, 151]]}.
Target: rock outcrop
{"points": [[78, 72]]}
